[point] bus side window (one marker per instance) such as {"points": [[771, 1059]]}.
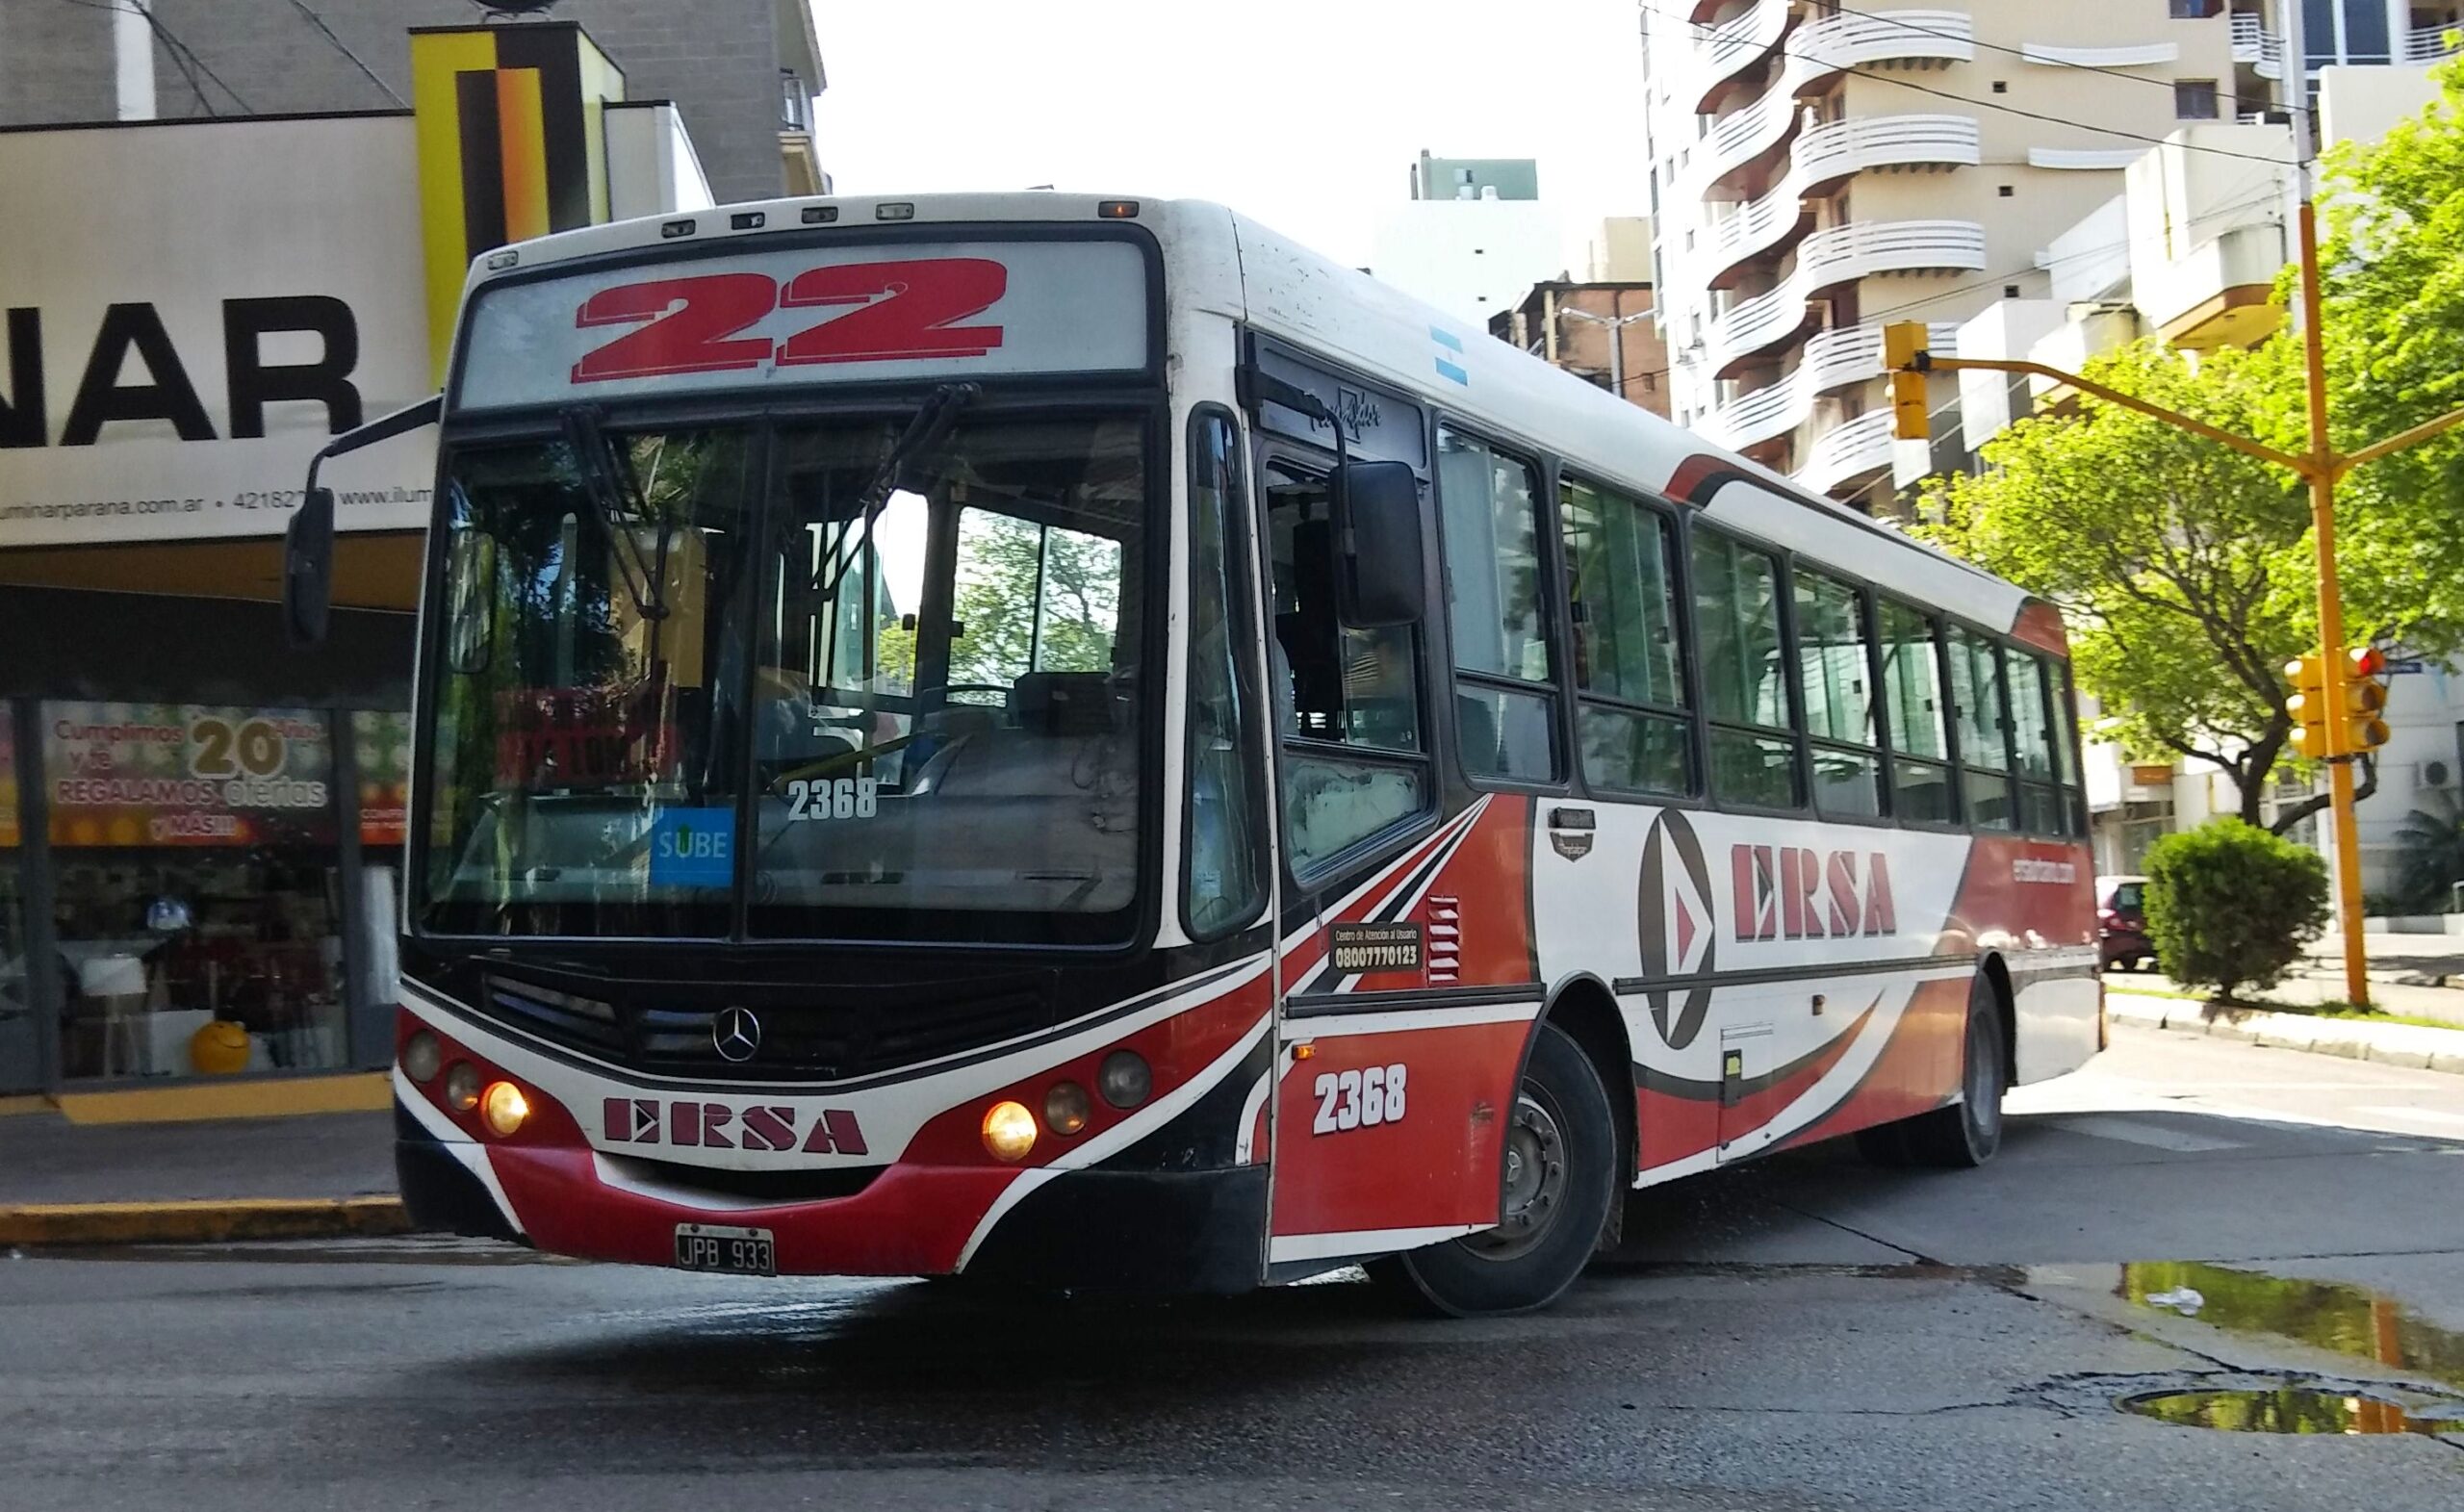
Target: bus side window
{"points": [[1621, 587], [1985, 748], [2032, 738], [1833, 666], [1914, 709], [1745, 684], [1504, 681], [1346, 701]]}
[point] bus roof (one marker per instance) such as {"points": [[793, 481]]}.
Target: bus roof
{"points": [[1221, 261]]}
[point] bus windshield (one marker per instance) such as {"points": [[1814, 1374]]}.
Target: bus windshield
{"points": [[897, 698]]}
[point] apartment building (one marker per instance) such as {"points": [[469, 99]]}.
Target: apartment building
{"points": [[1818, 170]]}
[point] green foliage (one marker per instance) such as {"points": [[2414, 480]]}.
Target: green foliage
{"points": [[2230, 906], [2392, 216], [2181, 566]]}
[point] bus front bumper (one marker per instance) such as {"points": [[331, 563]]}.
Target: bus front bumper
{"points": [[1093, 1229]]}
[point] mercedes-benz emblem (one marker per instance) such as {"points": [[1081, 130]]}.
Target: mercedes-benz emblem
{"points": [[736, 1033]]}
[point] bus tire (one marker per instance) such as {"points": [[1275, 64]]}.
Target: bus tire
{"points": [[1967, 1133], [1560, 1176]]}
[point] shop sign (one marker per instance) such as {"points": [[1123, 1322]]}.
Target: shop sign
{"points": [[187, 774], [177, 344], [380, 745]]}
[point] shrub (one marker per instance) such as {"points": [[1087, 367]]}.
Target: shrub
{"points": [[2230, 906]]}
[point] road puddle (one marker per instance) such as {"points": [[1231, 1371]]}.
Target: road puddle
{"points": [[2284, 1409], [2325, 1315]]}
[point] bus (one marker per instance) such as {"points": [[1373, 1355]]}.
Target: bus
{"points": [[1073, 741]]}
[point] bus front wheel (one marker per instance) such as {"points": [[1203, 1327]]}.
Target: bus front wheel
{"points": [[1559, 1177]]}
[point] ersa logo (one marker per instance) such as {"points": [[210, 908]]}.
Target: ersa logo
{"points": [[725, 1126], [1789, 892]]}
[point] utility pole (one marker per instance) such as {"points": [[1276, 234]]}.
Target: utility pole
{"points": [[2345, 684]]}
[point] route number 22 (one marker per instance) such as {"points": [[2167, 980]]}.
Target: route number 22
{"points": [[1360, 1099], [892, 311]]}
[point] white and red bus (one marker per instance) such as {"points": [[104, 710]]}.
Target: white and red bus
{"points": [[1077, 741]]}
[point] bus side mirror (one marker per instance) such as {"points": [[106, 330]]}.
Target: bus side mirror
{"points": [[308, 542], [308, 569], [1379, 581]]}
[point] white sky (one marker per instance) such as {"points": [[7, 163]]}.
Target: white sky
{"points": [[1305, 113]]}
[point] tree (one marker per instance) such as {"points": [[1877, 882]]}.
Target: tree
{"points": [[2230, 906], [2181, 565], [2392, 216]]}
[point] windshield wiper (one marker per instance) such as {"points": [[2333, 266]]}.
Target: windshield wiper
{"points": [[932, 421], [611, 486]]}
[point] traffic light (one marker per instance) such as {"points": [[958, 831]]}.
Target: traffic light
{"points": [[1909, 419], [1905, 346], [1904, 355], [2308, 705], [2365, 699]]}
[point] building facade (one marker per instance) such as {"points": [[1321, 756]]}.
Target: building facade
{"points": [[1472, 237], [1817, 170], [1601, 331], [200, 827], [742, 73]]}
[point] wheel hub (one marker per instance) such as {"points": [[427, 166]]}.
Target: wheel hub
{"points": [[1535, 1183]]}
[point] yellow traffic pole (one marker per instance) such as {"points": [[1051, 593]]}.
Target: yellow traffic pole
{"points": [[2319, 468]]}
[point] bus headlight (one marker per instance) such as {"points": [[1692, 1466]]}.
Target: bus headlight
{"points": [[504, 1109], [1008, 1130], [1125, 1080], [422, 1056], [462, 1087], [1065, 1107]]}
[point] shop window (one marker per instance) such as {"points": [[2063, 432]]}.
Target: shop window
{"points": [[18, 1037], [380, 745], [196, 889]]}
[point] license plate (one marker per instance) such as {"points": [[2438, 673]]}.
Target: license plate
{"points": [[730, 1251]]}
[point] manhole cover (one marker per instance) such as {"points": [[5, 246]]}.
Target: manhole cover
{"points": [[2285, 1409]]}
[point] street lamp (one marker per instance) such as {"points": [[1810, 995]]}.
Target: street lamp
{"points": [[1616, 324]]}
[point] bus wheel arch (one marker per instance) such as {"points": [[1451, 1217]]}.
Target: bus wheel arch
{"points": [[1585, 1009], [1561, 1143]]}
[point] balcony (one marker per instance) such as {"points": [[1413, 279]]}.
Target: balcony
{"points": [[2428, 44], [1824, 155], [1826, 258], [1735, 45], [1832, 359], [2257, 47], [1852, 39], [1860, 446], [1736, 141]]}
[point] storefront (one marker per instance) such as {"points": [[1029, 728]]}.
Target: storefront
{"points": [[199, 826]]}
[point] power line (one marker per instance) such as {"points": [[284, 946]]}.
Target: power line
{"points": [[1705, 29], [183, 57], [1985, 280], [318, 22]]}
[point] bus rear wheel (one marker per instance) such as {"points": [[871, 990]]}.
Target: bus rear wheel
{"points": [[1966, 1133], [1559, 1178]]}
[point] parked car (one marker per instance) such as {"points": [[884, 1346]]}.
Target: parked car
{"points": [[2121, 923]]}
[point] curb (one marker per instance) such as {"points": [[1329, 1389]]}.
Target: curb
{"points": [[205, 1222], [2410, 1045]]}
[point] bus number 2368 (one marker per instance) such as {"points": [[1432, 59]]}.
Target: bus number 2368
{"points": [[1359, 1099]]}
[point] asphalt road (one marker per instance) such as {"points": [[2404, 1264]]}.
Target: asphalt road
{"points": [[1804, 1333]]}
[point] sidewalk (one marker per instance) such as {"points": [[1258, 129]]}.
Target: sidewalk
{"points": [[309, 1176], [2405, 976]]}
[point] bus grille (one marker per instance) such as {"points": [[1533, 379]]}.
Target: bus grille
{"points": [[890, 1030]]}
